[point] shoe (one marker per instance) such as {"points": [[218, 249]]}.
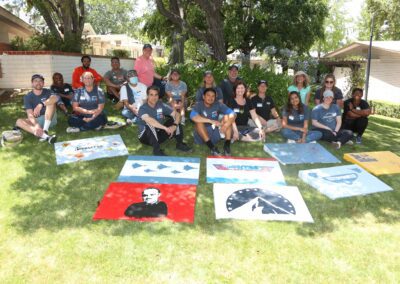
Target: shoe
{"points": [[113, 125], [337, 145], [358, 140], [73, 130], [183, 120], [290, 141], [159, 152], [130, 121], [42, 139], [215, 152], [227, 152], [350, 143], [314, 142], [183, 147], [98, 128], [52, 139]]}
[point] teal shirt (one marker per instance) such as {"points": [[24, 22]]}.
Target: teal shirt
{"points": [[303, 92]]}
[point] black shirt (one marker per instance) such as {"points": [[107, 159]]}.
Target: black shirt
{"points": [[227, 89], [363, 105], [140, 210], [66, 89], [263, 106], [242, 111]]}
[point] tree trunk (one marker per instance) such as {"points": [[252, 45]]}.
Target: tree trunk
{"points": [[178, 38]]}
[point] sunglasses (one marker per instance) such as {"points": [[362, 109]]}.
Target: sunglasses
{"points": [[329, 82]]}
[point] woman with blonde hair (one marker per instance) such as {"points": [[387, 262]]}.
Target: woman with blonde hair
{"points": [[301, 84], [329, 84]]}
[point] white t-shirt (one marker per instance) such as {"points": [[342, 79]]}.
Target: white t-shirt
{"points": [[139, 91]]}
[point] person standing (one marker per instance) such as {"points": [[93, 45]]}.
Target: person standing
{"points": [[355, 114], [227, 84], [78, 71]]}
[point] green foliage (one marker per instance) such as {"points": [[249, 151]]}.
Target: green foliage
{"points": [[383, 10], [121, 53], [192, 75], [44, 41], [386, 108]]}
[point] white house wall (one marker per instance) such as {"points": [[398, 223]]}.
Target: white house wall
{"points": [[17, 69], [342, 75], [384, 80]]}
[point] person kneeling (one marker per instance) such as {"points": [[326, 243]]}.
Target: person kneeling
{"points": [[355, 114], [327, 119], [205, 115], [295, 116], [158, 122], [87, 104], [40, 107]]}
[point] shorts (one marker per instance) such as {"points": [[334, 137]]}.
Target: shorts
{"points": [[213, 134], [41, 119]]}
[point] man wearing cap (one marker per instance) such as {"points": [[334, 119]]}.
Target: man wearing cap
{"points": [[40, 107], [158, 122], [205, 114], [227, 84], [78, 71], [327, 119], [115, 78], [133, 95], [265, 109], [145, 68]]}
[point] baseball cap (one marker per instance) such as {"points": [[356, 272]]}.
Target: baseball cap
{"points": [[131, 73], [233, 66], [262, 82], [208, 72], [36, 76], [147, 45], [328, 93]]}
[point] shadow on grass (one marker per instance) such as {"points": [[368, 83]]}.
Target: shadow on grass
{"points": [[61, 197]]}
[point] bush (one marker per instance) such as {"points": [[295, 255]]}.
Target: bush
{"points": [[120, 53], [386, 108], [192, 75]]}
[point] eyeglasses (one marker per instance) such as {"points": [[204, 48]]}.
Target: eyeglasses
{"points": [[329, 82]]}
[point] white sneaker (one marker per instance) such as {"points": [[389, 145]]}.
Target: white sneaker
{"points": [[313, 142], [113, 125], [290, 141], [73, 130], [337, 145], [350, 142], [99, 128]]}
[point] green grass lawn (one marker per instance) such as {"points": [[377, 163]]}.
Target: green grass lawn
{"points": [[47, 234]]}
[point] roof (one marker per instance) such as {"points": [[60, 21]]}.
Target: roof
{"points": [[6, 16], [360, 48]]}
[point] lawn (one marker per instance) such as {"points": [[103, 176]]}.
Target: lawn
{"points": [[47, 234]]}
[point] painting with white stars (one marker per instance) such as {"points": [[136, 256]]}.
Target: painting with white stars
{"points": [[157, 169], [260, 202]]}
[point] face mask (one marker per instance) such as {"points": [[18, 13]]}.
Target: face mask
{"points": [[133, 80]]}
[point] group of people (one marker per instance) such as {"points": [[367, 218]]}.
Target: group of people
{"points": [[224, 111]]}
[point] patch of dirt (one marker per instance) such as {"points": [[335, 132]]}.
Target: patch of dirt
{"points": [[7, 95]]}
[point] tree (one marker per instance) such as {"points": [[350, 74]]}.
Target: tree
{"points": [[111, 17], [64, 19], [213, 34], [384, 10]]}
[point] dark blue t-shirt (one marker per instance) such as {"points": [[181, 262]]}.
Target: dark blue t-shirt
{"points": [[66, 89], [326, 116], [158, 112], [295, 118], [89, 100], [31, 100]]}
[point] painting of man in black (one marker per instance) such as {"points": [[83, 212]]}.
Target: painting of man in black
{"points": [[150, 207]]}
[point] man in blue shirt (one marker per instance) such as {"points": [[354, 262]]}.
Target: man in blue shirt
{"points": [[205, 114], [158, 122], [40, 107]]}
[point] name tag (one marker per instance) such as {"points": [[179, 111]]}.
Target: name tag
{"points": [[83, 98], [268, 103], [301, 116], [236, 110], [66, 90], [358, 108], [159, 110], [259, 105], [291, 117]]}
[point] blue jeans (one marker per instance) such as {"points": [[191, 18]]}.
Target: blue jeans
{"points": [[127, 113], [77, 121], [312, 135]]}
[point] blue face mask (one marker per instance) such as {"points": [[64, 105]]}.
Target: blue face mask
{"points": [[133, 80]]}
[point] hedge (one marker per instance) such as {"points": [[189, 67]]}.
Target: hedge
{"points": [[386, 108]]}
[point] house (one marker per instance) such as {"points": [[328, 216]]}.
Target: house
{"points": [[104, 44], [384, 82], [10, 27]]}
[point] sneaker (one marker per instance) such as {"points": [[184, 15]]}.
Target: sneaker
{"points": [[183, 147], [337, 145], [358, 140], [130, 121], [52, 139], [42, 139], [72, 130], [314, 142], [113, 125], [290, 141], [227, 152], [98, 128], [350, 143], [215, 152], [159, 152]]}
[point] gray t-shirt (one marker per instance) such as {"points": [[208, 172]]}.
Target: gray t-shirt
{"points": [[158, 112], [31, 100], [211, 112], [88, 100], [328, 116], [294, 118], [176, 90], [116, 77]]}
